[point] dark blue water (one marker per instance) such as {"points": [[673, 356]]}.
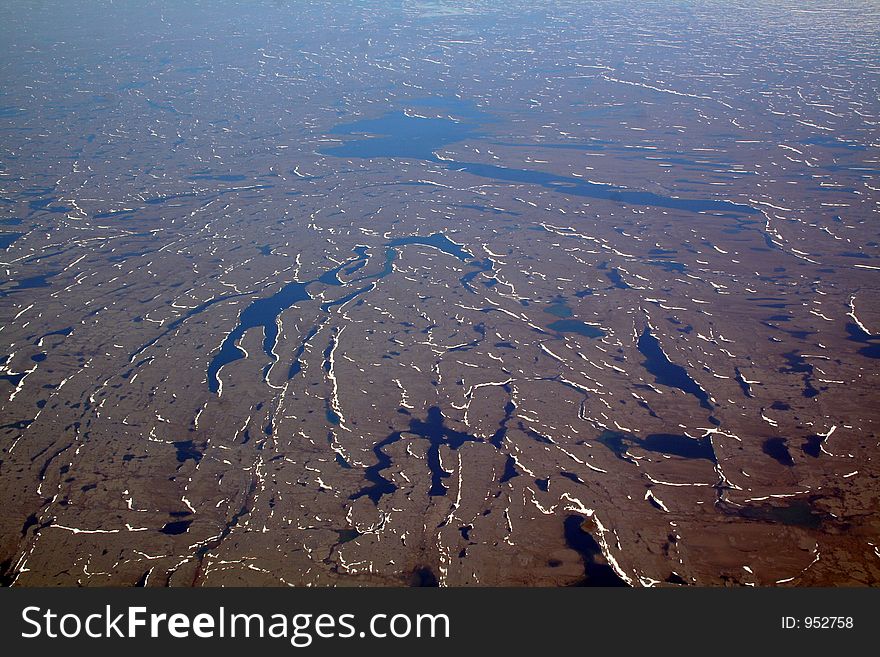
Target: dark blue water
{"points": [[437, 434], [360, 261], [423, 576], [669, 265], [812, 446], [173, 326], [264, 313], [576, 326], [572, 477], [509, 471], [871, 342], [158, 200], [115, 214], [30, 283], [833, 142], [187, 451], [380, 485], [346, 535], [481, 266], [559, 309], [436, 240], [579, 187], [440, 242], [480, 329], [167, 107], [396, 135], [777, 449], [670, 444], [9, 111], [797, 513], [62, 332], [344, 300], [13, 379], [45, 204], [498, 437], [618, 442], [666, 372], [177, 527], [400, 136], [745, 387], [597, 572], [797, 364], [591, 145], [6, 239], [457, 107], [678, 445], [534, 435], [296, 365], [616, 279]]}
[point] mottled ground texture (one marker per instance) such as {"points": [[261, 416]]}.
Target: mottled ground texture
{"points": [[377, 293]]}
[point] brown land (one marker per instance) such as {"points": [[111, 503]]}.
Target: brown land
{"points": [[120, 465]]}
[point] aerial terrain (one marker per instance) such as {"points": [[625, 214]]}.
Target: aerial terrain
{"points": [[440, 293]]}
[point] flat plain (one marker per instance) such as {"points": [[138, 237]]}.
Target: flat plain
{"points": [[477, 293]]}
